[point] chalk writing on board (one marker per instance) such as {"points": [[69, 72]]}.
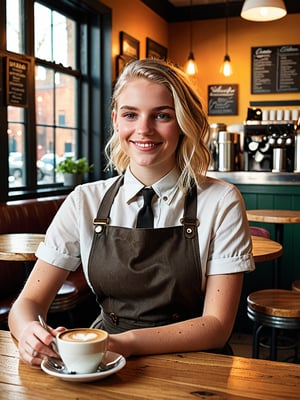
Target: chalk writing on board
{"points": [[223, 99], [17, 82]]}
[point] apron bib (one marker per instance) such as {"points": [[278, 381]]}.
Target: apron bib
{"points": [[145, 277]]}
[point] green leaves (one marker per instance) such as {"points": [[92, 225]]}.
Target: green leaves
{"points": [[71, 166]]}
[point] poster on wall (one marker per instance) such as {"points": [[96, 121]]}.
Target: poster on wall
{"points": [[223, 99], [275, 69], [17, 75]]}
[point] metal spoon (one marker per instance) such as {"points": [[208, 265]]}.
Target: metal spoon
{"points": [[45, 326]]}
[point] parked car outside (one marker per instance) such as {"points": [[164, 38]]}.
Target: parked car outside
{"points": [[47, 163], [16, 165]]}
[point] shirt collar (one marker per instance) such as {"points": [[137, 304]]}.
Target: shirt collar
{"points": [[166, 187]]}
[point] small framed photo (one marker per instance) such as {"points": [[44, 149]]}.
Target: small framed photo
{"points": [[155, 50], [129, 46]]}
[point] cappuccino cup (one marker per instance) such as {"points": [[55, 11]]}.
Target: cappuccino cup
{"points": [[82, 349]]}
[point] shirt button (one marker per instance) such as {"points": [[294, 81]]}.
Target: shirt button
{"points": [[165, 198]]}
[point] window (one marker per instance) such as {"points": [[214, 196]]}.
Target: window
{"points": [[14, 31], [68, 84]]}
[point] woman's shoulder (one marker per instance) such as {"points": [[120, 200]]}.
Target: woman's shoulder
{"points": [[215, 183], [214, 187]]}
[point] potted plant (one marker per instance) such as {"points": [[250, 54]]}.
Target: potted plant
{"points": [[73, 170]]}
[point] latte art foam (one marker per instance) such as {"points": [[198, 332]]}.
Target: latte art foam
{"points": [[82, 335]]}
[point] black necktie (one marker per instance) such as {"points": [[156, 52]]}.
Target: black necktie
{"points": [[145, 215]]}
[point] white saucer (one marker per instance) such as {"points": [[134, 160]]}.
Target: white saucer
{"points": [[94, 376]]}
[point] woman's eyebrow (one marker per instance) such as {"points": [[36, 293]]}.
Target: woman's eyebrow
{"points": [[162, 107]]}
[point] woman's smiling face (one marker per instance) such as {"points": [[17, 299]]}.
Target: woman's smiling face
{"points": [[146, 122]]}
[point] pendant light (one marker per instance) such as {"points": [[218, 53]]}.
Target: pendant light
{"points": [[263, 10], [226, 68], [190, 66]]}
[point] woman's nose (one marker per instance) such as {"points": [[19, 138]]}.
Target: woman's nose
{"points": [[144, 126]]}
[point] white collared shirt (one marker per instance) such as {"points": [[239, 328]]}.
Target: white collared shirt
{"points": [[224, 240]]}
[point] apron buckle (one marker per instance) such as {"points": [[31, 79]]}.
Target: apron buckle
{"points": [[99, 223], [190, 226]]}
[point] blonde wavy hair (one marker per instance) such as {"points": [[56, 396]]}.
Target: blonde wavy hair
{"points": [[192, 153]]}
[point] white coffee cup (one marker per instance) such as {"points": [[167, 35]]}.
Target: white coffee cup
{"points": [[82, 349]]}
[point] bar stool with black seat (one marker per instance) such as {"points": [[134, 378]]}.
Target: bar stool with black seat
{"points": [[277, 309]]}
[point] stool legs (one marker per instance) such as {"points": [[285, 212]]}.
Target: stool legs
{"points": [[256, 342], [273, 350], [256, 336]]}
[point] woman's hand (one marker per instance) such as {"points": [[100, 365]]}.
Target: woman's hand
{"points": [[35, 343]]}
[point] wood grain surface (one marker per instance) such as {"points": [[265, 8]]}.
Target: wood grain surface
{"points": [[195, 376]]}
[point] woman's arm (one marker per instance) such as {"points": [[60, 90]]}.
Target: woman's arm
{"points": [[210, 331], [35, 298]]}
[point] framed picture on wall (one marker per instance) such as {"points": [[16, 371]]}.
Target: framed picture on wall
{"points": [[155, 50], [129, 46]]}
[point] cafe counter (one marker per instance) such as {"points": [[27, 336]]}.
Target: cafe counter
{"points": [[258, 178]]}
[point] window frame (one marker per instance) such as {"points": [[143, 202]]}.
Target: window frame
{"points": [[95, 88]]}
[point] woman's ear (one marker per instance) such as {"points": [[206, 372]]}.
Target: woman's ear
{"points": [[114, 120]]}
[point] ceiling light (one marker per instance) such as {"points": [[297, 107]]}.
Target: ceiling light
{"points": [[263, 10], [190, 66], [226, 68]]}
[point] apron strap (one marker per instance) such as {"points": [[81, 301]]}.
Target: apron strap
{"points": [[105, 205], [189, 219]]}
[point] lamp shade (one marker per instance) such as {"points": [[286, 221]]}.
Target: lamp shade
{"points": [[263, 10]]}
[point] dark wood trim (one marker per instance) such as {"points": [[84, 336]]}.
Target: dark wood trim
{"points": [[207, 11]]}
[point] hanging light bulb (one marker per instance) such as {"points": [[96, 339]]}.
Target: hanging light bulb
{"points": [[190, 66], [226, 68], [263, 10]]}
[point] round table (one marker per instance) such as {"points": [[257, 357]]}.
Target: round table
{"points": [[279, 218], [19, 246], [264, 249]]}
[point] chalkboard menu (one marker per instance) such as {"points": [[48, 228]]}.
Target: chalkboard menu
{"points": [[17, 72], [223, 99], [275, 69]]}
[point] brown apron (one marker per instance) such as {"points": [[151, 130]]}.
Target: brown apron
{"points": [[145, 277]]}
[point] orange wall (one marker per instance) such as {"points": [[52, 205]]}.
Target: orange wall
{"points": [[139, 21], [209, 51]]}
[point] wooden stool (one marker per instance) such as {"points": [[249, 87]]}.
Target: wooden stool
{"points": [[276, 309], [65, 300], [296, 286]]}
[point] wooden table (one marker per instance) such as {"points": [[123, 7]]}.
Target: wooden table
{"points": [[19, 246], [279, 218], [196, 375], [265, 249]]}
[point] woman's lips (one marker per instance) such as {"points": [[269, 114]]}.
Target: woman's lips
{"points": [[145, 145]]}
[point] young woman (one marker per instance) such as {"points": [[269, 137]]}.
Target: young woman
{"points": [[173, 287]]}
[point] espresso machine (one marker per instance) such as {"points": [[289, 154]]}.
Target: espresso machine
{"points": [[225, 150], [268, 146]]}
